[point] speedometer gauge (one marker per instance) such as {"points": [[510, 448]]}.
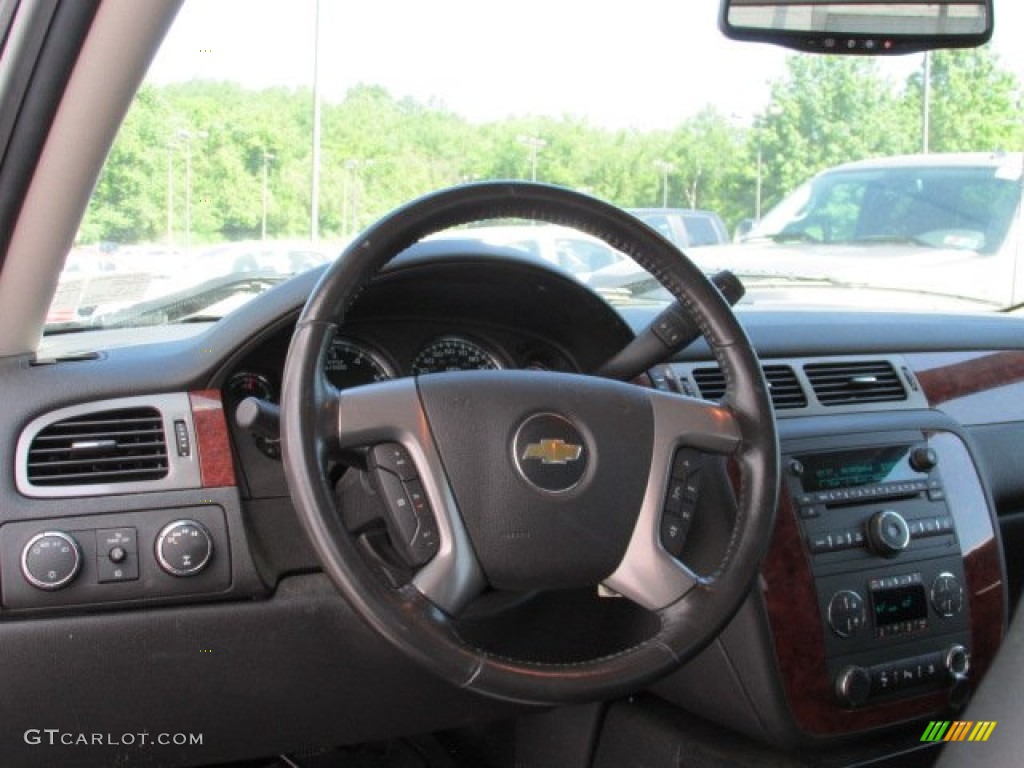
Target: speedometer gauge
{"points": [[453, 353], [352, 364]]}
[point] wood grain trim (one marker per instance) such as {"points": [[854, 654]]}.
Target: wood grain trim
{"points": [[949, 376], [984, 573], [791, 600], [216, 465]]}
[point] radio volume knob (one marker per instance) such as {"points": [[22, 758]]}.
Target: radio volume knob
{"points": [[888, 533], [853, 685], [957, 662]]}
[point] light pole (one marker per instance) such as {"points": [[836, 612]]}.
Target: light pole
{"points": [[186, 139], [926, 88], [170, 195], [267, 157], [535, 144], [757, 190], [665, 168]]}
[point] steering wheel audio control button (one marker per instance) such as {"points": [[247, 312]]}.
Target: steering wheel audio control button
{"points": [[183, 548], [673, 533], [51, 560]]}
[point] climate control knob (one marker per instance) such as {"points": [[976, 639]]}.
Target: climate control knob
{"points": [[853, 685], [184, 547], [888, 533], [846, 613], [51, 560], [947, 595]]}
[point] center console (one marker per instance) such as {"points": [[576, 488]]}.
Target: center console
{"points": [[887, 567], [882, 599]]}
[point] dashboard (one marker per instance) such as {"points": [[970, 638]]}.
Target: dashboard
{"points": [[883, 598]]}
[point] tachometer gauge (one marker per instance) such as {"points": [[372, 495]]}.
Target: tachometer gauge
{"points": [[453, 353], [245, 384], [351, 364]]}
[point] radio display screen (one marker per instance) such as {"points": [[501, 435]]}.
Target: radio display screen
{"points": [[851, 469], [892, 606]]}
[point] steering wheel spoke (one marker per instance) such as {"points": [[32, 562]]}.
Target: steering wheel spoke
{"points": [[425, 526], [651, 572]]}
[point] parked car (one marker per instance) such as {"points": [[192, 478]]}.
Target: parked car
{"points": [[938, 229], [564, 247], [686, 227]]}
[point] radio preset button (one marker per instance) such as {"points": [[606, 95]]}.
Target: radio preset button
{"points": [[846, 613]]}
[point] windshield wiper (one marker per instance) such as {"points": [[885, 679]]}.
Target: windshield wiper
{"points": [[783, 237], [887, 240], [180, 306]]}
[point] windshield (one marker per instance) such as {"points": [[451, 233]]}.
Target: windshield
{"points": [[267, 134]]}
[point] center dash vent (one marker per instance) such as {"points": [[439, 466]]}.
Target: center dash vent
{"points": [[872, 381], [783, 384], [116, 446]]}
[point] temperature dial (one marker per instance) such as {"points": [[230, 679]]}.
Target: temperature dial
{"points": [[184, 547], [846, 613], [51, 560], [947, 595]]}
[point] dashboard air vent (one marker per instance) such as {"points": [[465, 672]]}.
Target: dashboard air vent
{"points": [[117, 446], [873, 381], [782, 382]]}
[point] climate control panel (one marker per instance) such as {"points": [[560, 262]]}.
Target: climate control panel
{"points": [[99, 559]]}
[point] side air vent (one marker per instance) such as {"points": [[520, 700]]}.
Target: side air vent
{"points": [[782, 382], [872, 381], [116, 446]]}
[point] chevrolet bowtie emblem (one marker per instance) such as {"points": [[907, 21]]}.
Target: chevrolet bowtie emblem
{"points": [[553, 451]]}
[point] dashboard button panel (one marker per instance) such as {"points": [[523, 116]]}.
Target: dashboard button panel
{"points": [[110, 558]]}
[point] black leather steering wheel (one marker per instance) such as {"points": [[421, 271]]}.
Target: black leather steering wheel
{"points": [[536, 480]]}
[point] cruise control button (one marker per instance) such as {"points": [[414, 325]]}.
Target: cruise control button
{"points": [[393, 458], [424, 543], [401, 514], [418, 497]]}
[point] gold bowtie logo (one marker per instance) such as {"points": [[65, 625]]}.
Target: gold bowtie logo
{"points": [[553, 451]]}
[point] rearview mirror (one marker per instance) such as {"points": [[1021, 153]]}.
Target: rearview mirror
{"points": [[862, 27]]}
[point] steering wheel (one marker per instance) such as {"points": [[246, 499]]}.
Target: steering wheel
{"points": [[528, 480]]}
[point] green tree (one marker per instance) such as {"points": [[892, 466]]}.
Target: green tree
{"points": [[827, 111], [975, 105]]}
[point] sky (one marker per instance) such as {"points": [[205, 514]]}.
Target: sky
{"points": [[643, 64]]}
